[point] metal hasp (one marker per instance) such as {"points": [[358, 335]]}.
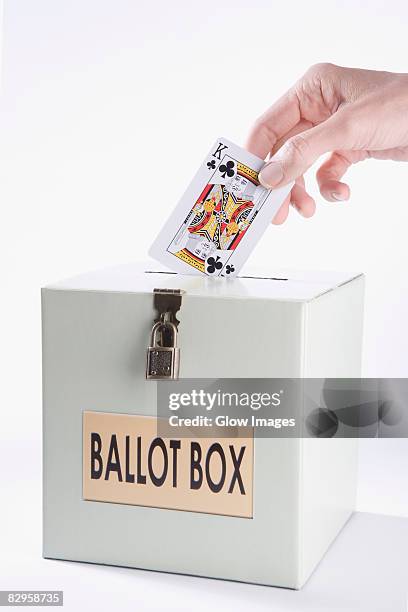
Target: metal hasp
{"points": [[163, 355]]}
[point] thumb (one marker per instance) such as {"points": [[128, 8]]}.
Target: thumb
{"points": [[299, 152]]}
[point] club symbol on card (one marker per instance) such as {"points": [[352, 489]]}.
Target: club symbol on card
{"points": [[227, 169], [211, 164], [229, 269], [213, 264]]}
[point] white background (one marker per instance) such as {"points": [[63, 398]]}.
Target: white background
{"points": [[107, 109]]}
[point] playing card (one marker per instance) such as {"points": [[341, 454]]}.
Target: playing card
{"points": [[221, 216]]}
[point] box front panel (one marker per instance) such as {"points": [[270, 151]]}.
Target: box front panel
{"points": [[93, 360]]}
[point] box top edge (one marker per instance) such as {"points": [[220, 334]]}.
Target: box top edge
{"points": [[143, 277]]}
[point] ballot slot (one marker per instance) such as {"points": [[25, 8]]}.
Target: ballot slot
{"points": [[273, 278]]}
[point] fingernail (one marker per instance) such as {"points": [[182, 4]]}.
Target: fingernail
{"points": [[338, 196], [271, 174]]}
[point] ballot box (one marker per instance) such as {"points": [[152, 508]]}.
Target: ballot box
{"points": [[117, 493]]}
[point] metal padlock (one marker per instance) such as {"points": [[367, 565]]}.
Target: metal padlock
{"points": [[163, 361]]}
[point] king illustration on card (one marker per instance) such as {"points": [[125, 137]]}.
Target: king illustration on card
{"points": [[220, 217]]}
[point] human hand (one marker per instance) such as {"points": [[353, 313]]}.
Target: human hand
{"points": [[350, 113]]}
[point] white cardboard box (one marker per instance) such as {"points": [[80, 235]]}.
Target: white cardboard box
{"points": [[95, 332]]}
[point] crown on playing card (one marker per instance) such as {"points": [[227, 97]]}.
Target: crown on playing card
{"points": [[247, 173]]}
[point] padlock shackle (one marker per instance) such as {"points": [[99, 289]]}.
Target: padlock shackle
{"points": [[163, 325]]}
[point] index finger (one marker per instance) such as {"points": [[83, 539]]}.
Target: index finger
{"points": [[279, 119]]}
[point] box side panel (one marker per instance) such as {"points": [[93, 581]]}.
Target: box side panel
{"points": [[334, 331], [94, 359], [333, 343]]}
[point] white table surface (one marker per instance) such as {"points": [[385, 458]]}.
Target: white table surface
{"points": [[366, 569]]}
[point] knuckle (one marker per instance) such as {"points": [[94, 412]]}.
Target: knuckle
{"points": [[321, 69], [317, 79]]}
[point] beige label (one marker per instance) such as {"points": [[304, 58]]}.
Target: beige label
{"points": [[126, 462]]}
